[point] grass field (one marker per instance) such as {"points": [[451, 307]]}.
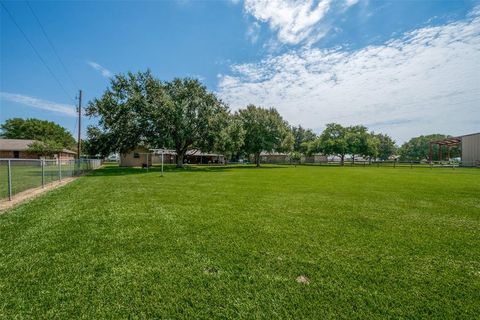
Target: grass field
{"points": [[230, 243]]}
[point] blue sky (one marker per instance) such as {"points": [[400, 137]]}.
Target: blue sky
{"points": [[399, 67]]}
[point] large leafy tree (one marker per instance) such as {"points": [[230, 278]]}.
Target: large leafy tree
{"points": [[126, 112], [35, 129], [265, 130], [418, 148], [45, 148], [190, 117], [332, 141], [138, 109], [302, 139], [97, 144], [357, 141], [360, 142], [231, 138], [386, 146]]}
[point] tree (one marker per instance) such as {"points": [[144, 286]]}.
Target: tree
{"points": [[45, 148], [97, 144], [126, 112], [190, 117], [139, 109], [373, 147], [265, 130], [35, 129], [357, 141], [295, 157], [302, 138], [361, 142], [418, 148], [332, 141], [231, 138], [386, 146]]}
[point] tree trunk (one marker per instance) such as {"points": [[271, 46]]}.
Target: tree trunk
{"points": [[342, 159], [257, 159], [180, 157]]}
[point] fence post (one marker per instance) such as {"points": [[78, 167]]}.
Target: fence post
{"points": [[411, 164], [9, 180], [59, 170], [395, 163], [43, 173]]}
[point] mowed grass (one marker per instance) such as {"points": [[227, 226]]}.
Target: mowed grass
{"points": [[230, 243]]}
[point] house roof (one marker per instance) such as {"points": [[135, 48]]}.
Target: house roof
{"points": [[15, 144], [450, 141], [68, 151], [21, 145]]}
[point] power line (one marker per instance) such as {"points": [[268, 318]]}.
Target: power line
{"points": [[51, 45], [35, 50]]}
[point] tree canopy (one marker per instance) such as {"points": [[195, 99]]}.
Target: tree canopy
{"points": [[36, 129], [418, 148], [45, 148], [231, 138], [265, 130], [188, 117], [386, 146], [125, 112], [138, 109], [302, 139], [332, 141]]}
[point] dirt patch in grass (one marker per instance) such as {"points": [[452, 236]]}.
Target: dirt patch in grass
{"points": [[210, 270], [303, 279]]}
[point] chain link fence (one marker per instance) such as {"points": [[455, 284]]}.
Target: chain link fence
{"points": [[18, 175]]}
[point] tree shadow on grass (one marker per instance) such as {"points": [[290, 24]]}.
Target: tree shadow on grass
{"points": [[168, 169]]}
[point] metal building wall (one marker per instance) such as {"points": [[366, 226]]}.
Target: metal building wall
{"points": [[471, 150]]}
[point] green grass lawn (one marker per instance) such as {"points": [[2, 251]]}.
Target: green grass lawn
{"points": [[230, 243]]}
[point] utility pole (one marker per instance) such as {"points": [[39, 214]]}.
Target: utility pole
{"points": [[79, 143]]}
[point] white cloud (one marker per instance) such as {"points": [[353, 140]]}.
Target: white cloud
{"points": [[294, 21], [104, 71], [424, 82], [253, 32], [64, 109], [351, 2]]}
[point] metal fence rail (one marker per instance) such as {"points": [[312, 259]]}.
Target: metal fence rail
{"points": [[17, 175]]}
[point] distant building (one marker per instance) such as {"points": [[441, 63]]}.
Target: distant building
{"points": [[471, 149], [469, 145], [19, 149], [142, 157], [280, 157]]}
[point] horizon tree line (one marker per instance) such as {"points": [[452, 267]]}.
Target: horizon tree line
{"points": [[138, 109]]}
